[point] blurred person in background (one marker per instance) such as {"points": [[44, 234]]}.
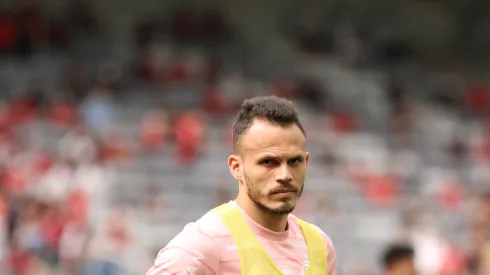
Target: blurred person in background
{"points": [[478, 254], [152, 61], [232, 88], [189, 133], [97, 109], [357, 267], [63, 113], [154, 129], [107, 244], [213, 101], [312, 92], [399, 259], [178, 70], [255, 233], [76, 80], [78, 146], [73, 246], [114, 148], [53, 185], [427, 241]]}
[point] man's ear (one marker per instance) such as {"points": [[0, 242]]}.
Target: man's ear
{"points": [[235, 166]]}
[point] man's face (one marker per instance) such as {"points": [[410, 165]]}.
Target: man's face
{"points": [[403, 267], [271, 166]]}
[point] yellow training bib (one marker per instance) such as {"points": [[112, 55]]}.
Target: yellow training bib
{"points": [[253, 258]]}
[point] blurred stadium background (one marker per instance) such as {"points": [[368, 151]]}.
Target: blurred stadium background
{"points": [[115, 125]]}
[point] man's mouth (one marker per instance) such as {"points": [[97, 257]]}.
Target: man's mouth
{"points": [[284, 191]]}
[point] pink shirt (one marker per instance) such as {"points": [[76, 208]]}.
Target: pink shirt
{"points": [[206, 247]]}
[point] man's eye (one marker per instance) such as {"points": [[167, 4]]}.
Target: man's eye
{"points": [[295, 161], [267, 162]]}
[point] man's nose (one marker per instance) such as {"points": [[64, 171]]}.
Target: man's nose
{"points": [[283, 174]]}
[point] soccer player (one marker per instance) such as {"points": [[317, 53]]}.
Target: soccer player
{"points": [[255, 233], [399, 260]]}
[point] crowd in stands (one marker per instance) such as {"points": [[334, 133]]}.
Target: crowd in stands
{"points": [[57, 153]]}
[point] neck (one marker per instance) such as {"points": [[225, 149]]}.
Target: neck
{"points": [[275, 223]]}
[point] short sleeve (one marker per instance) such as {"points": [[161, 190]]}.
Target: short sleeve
{"points": [[192, 252]]}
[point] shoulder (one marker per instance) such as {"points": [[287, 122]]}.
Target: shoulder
{"points": [[196, 247], [331, 254], [295, 221], [203, 235], [326, 239]]}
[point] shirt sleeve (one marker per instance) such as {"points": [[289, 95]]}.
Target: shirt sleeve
{"points": [[331, 256], [192, 252]]}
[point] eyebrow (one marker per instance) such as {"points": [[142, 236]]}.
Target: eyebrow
{"points": [[300, 156]]}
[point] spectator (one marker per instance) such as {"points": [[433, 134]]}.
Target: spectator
{"points": [[152, 61], [478, 261], [98, 110], [63, 114], [312, 92], [429, 247], [108, 243], [178, 70], [109, 78], [233, 88], [4, 211], [282, 88], [54, 184], [189, 136], [52, 228], [22, 109], [458, 152], [73, 246], [485, 259], [76, 81], [398, 259], [154, 128], [114, 149], [89, 182], [381, 190], [213, 70], [478, 99], [454, 263], [78, 146], [342, 122]]}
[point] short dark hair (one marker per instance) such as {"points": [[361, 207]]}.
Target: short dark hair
{"points": [[396, 252], [273, 109]]}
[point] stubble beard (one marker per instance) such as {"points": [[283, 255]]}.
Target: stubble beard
{"points": [[255, 196]]}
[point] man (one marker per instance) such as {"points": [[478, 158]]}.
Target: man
{"points": [[399, 260], [255, 234]]}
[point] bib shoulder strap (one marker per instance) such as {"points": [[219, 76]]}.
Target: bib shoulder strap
{"points": [[254, 260], [316, 247]]}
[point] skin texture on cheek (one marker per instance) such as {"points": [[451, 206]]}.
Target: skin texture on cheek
{"points": [[258, 187]]}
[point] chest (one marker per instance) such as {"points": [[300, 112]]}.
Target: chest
{"points": [[290, 256]]}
